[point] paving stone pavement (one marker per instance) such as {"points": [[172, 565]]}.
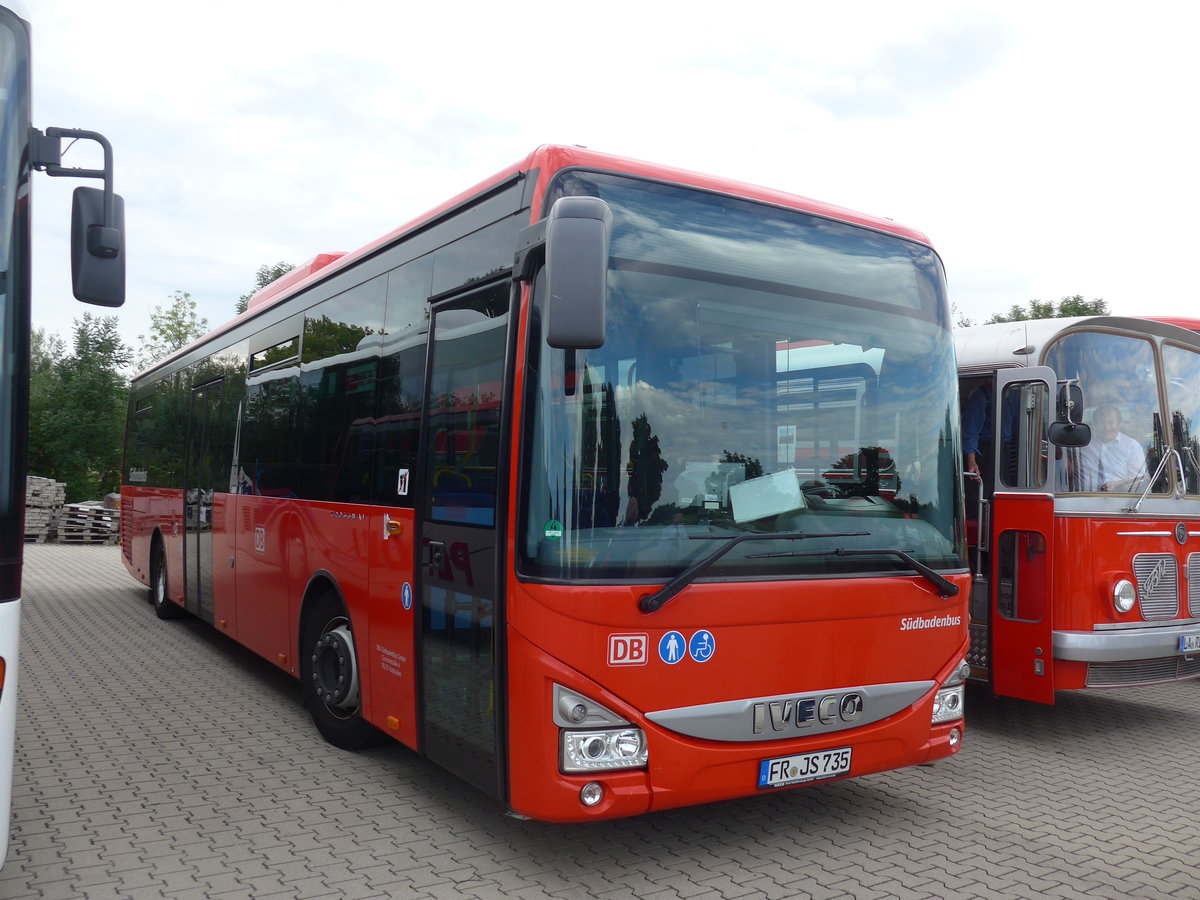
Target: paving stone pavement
{"points": [[158, 759]]}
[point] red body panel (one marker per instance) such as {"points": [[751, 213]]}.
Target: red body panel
{"points": [[784, 637]]}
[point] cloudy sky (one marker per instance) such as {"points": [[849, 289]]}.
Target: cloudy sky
{"points": [[1048, 149]]}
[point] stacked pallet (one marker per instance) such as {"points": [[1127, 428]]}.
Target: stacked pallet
{"points": [[44, 498], [89, 523]]}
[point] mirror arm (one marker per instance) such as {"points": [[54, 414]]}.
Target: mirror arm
{"points": [[46, 151]]}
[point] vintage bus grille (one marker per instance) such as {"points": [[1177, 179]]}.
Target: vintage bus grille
{"points": [[1151, 671], [1193, 584], [1158, 585]]}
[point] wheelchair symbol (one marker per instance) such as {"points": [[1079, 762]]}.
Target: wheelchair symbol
{"points": [[702, 645]]}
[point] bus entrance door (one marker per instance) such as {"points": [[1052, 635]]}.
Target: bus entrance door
{"points": [[198, 494], [460, 620], [1021, 557], [1022, 653]]}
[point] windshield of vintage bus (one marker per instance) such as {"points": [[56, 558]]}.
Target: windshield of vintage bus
{"points": [[1117, 376], [1182, 366], [764, 372]]}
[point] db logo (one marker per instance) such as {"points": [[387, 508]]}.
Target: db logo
{"points": [[260, 538], [628, 649]]}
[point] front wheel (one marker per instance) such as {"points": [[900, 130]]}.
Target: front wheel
{"points": [[329, 673]]}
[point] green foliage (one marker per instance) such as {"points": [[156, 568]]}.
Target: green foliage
{"points": [[264, 276], [1074, 305], [77, 407], [171, 327]]}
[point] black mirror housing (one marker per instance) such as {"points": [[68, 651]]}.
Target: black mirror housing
{"points": [[97, 249], [577, 232], [1070, 434]]}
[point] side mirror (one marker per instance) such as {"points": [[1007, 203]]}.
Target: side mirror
{"points": [[97, 249], [1070, 434], [577, 231]]}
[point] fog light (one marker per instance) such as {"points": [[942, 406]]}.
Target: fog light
{"points": [[955, 737], [1124, 596], [591, 793]]}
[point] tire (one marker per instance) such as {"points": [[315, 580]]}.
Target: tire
{"points": [[159, 595], [329, 675]]}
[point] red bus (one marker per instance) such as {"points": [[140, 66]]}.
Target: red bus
{"points": [[98, 276], [1085, 535], [609, 487]]}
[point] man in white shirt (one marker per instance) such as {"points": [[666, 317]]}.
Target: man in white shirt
{"points": [[1113, 461]]}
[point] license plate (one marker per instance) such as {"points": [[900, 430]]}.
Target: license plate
{"points": [[1189, 643], [785, 770]]}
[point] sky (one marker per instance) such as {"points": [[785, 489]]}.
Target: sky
{"points": [[1046, 148]]}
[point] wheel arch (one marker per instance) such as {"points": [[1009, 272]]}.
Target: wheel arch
{"points": [[319, 584]]}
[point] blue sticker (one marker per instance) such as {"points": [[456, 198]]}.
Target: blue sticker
{"points": [[670, 647], [406, 595], [702, 645]]}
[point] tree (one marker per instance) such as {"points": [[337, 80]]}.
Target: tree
{"points": [[264, 276], [171, 328], [1074, 305], [77, 408]]}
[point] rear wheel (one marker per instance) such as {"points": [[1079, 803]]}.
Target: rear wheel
{"points": [[159, 596], [329, 673]]}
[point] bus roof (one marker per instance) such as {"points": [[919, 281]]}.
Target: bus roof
{"points": [[545, 160], [1024, 343]]}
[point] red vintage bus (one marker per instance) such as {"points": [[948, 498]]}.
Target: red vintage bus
{"points": [[575, 486], [1085, 535]]}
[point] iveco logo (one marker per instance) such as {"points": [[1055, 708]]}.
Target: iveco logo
{"points": [[1155, 575], [800, 712]]}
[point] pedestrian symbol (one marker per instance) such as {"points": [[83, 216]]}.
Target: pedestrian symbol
{"points": [[670, 647]]}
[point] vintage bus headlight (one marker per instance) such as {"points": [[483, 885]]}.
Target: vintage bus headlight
{"points": [[948, 701], [1124, 595], [610, 748]]}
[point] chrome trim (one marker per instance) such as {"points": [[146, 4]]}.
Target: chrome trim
{"points": [[733, 720], [1145, 533], [1142, 626], [1125, 646]]}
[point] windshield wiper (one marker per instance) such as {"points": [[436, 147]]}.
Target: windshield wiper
{"points": [[945, 587], [653, 602]]}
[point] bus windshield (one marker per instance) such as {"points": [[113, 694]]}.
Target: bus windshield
{"points": [[14, 136], [765, 371]]}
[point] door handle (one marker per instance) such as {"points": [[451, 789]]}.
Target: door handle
{"points": [[435, 558], [391, 527]]}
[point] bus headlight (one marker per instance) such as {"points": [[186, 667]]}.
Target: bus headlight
{"points": [[948, 701], [609, 748], [948, 705], [1124, 595], [606, 740]]}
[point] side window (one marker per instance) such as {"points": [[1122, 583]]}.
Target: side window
{"points": [[402, 382], [1025, 451], [335, 414], [267, 452], [1021, 576]]}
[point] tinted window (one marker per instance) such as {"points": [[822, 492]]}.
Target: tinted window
{"points": [[336, 394]]}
